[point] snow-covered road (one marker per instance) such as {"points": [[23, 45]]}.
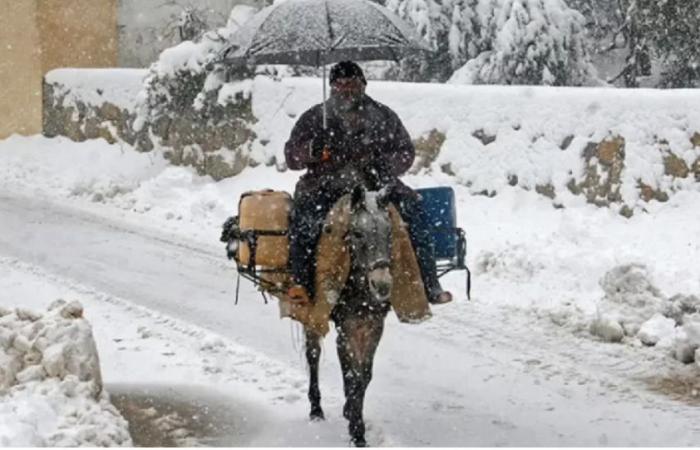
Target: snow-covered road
{"points": [[475, 374]]}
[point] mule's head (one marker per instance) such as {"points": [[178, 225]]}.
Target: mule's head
{"points": [[369, 241]]}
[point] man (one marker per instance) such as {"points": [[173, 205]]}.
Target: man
{"points": [[363, 140]]}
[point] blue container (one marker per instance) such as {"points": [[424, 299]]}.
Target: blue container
{"points": [[439, 204]]}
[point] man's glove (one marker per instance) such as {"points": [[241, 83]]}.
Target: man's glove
{"points": [[319, 147]]}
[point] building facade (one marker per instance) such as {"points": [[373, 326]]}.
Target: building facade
{"points": [[39, 35]]}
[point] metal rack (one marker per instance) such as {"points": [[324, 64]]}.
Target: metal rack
{"points": [[250, 271]]}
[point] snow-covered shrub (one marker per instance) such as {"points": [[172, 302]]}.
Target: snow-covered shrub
{"points": [[540, 42], [197, 104], [186, 78], [51, 390], [630, 300]]}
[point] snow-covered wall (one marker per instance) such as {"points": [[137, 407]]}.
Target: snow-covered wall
{"points": [[604, 146], [609, 145], [93, 103]]}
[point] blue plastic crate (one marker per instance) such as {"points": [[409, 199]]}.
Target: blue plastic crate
{"points": [[439, 204]]}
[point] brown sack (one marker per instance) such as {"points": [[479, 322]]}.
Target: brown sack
{"points": [[408, 298], [332, 269]]}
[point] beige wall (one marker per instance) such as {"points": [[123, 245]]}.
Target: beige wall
{"points": [[20, 68], [77, 33], [39, 35]]}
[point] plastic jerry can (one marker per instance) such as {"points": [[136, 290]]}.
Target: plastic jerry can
{"points": [[265, 212]]}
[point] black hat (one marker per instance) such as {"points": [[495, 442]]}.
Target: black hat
{"points": [[346, 69]]}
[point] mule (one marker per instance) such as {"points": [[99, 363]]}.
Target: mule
{"points": [[360, 309]]}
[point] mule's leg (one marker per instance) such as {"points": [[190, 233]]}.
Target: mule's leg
{"points": [[358, 339], [313, 354]]}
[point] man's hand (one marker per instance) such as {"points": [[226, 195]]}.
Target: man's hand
{"points": [[319, 147]]}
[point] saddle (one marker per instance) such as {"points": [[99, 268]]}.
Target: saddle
{"points": [[408, 299]]}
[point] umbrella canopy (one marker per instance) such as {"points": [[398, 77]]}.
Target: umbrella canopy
{"points": [[319, 32]]}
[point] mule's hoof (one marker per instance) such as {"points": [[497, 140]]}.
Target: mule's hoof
{"points": [[317, 415]]}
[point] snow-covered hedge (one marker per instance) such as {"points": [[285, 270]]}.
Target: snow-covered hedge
{"points": [[609, 147], [51, 391]]}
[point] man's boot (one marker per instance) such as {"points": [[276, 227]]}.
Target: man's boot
{"points": [[298, 294], [438, 296]]}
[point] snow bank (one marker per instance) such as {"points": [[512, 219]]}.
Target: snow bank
{"points": [[634, 307], [102, 176], [687, 342], [97, 170], [50, 382], [630, 298]]}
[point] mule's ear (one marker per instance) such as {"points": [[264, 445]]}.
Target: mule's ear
{"points": [[358, 198]]}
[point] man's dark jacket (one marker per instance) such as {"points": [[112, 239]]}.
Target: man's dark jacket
{"points": [[380, 145]]}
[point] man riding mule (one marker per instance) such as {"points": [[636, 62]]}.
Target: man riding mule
{"points": [[360, 142], [360, 241]]}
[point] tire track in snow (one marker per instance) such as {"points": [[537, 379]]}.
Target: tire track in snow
{"points": [[568, 353]]}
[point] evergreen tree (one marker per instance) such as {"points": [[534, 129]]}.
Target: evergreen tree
{"points": [[432, 24], [671, 30], [497, 41], [663, 32], [604, 21], [537, 42], [190, 25]]}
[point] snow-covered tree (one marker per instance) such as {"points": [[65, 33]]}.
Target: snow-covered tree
{"points": [[604, 21], [497, 41], [465, 39], [669, 30], [431, 20], [539, 42], [187, 77], [190, 25]]}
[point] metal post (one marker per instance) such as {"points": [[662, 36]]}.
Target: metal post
{"points": [[324, 94]]}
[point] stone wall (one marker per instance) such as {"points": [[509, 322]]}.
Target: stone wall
{"points": [[249, 128], [215, 143]]}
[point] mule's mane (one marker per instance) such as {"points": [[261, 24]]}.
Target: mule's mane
{"points": [[372, 202]]}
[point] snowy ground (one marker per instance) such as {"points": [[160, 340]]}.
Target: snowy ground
{"points": [[135, 240]]}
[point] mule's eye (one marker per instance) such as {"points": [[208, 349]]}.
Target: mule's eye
{"points": [[328, 229], [358, 234]]}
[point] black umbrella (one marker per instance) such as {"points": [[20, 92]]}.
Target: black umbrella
{"points": [[320, 32]]}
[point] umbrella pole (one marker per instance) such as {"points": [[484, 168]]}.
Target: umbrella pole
{"points": [[324, 95]]}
